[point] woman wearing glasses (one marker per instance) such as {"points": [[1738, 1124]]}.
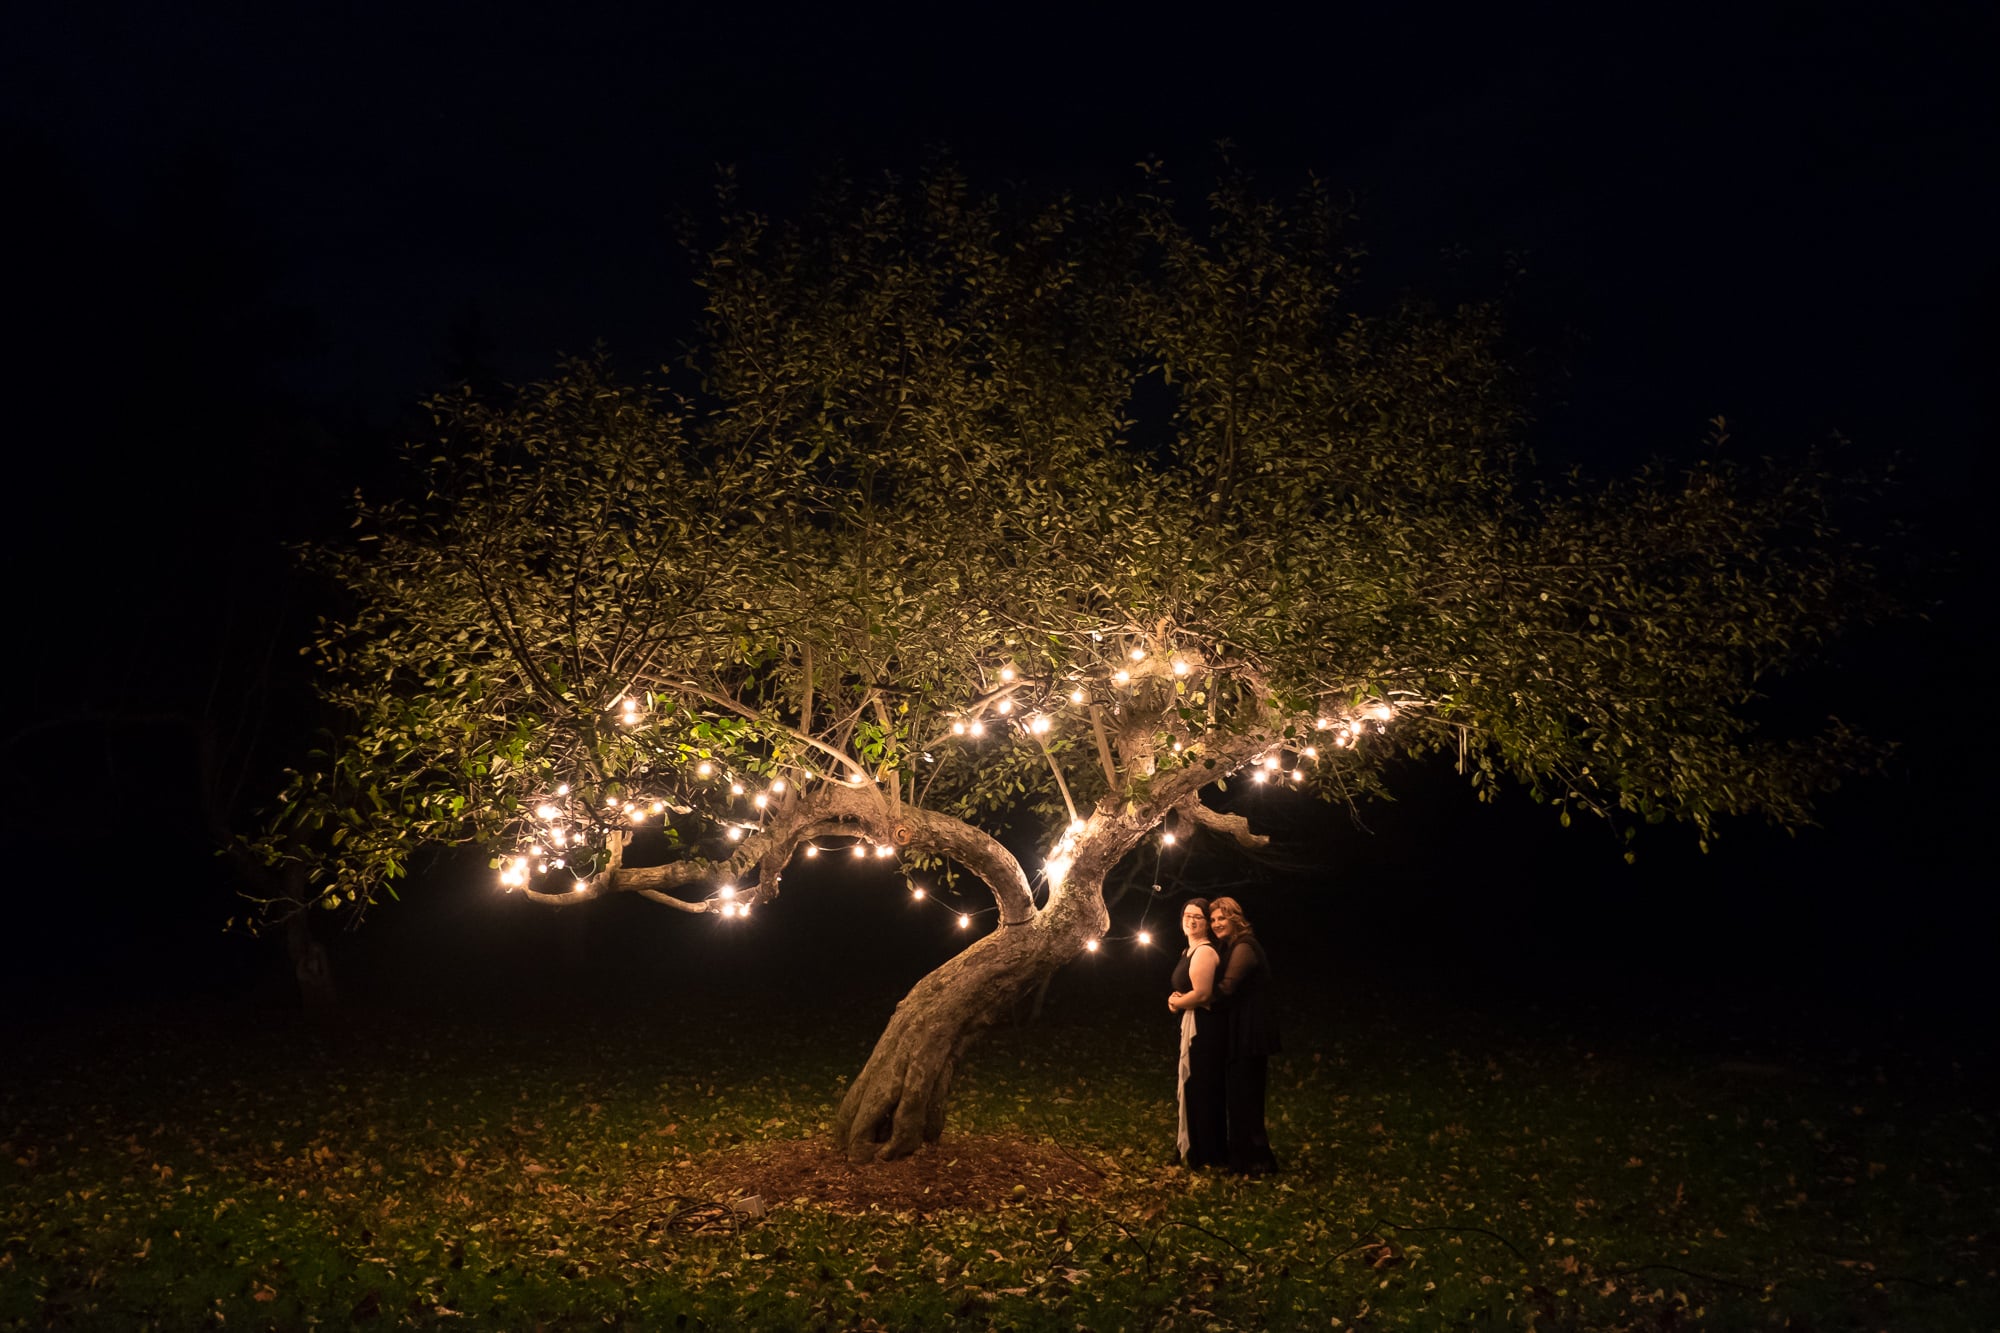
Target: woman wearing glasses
{"points": [[1203, 1141]]}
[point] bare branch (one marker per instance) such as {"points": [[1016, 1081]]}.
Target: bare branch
{"points": [[1232, 826]]}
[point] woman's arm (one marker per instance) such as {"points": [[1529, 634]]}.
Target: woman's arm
{"points": [[1243, 961]]}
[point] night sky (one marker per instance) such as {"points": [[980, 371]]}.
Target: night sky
{"points": [[246, 243]]}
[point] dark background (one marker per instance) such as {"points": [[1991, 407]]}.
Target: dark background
{"points": [[246, 242]]}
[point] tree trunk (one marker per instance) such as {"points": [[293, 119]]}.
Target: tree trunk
{"points": [[896, 1103]]}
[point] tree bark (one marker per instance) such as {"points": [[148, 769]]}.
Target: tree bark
{"points": [[896, 1104]]}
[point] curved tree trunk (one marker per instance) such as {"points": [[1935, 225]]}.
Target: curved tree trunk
{"points": [[896, 1103]]}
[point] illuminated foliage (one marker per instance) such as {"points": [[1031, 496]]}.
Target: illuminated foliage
{"points": [[966, 511]]}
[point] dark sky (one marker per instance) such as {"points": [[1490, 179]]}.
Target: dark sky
{"points": [[248, 239]]}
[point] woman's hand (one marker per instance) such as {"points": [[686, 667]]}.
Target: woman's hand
{"points": [[1177, 1001]]}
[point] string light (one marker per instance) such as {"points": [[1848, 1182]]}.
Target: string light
{"points": [[547, 812], [727, 891], [958, 728], [777, 786], [859, 850], [1076, 696], [563, 790], [704, 769], [1180, 667], [1057, 869], [1121, 676], [964, 921], [1006, 705], [1039, 726], [1311, 752], [1169, 837], [1090, 945], [1076, 826], [978, 728], [1145, 937], [760, 800], [884, 849], [1138, 654], [735, 834], [735, 789], [812, 849], [1257, 775], [917, 892], [1298, 775], [581, 886], [1006, 673]]}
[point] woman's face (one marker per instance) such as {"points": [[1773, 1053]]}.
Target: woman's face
{"points": [[1194, 923], [1221, 924]]}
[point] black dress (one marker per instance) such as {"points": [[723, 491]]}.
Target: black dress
{"points": [[1202, 1140], [1243, 992]]}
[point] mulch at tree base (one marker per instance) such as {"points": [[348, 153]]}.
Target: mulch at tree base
{"points": [[963, 1171]]}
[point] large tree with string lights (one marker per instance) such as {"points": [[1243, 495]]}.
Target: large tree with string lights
{"points": [[892, 565]]}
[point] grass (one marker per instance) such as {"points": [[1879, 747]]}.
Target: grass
{"points": [[1444, 1172]]}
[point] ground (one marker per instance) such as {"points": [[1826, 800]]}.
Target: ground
{"points": [[1444, 1169]]}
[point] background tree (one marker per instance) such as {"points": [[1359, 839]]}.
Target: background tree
{"points": [[894, 567]]}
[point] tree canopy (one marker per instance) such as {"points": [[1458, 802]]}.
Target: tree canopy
{"points": [[967, 514]]}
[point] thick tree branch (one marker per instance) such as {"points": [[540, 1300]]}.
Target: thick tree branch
{"points": [[1231, 826]]}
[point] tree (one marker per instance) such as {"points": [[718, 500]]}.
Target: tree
{"points": [[890, 565]]}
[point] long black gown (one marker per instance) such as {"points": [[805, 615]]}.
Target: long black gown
{"points": [[1245, 1008], [1203, 1139]]}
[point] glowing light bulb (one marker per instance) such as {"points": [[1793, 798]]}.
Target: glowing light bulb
{"points": [[760, 800], [1145, 937], [1076, 696], [1039, 725], [704, 769], [811, 849], [964, 921], [1180, 668], [727, 891], [563, 790], [1177, 747], [1120, 677], [860, 850], [735, 789], [1382, 712], [884, 849], [611, 803], [1322, 723], [559, 837], [1138, 654], [638, 816], [729, 909], [777, 786], [735, 834], [1298, 775], [1257, 775], [534, 849], [1006, 705], [743, 909], [958, 728], [1169, 837], [581, 886], [1057, 869], [1076, 826], [1090, 946], [1310, 752], [917, 892], [978, 728], [1270, 761], [546, 811], [1006, 673]]}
